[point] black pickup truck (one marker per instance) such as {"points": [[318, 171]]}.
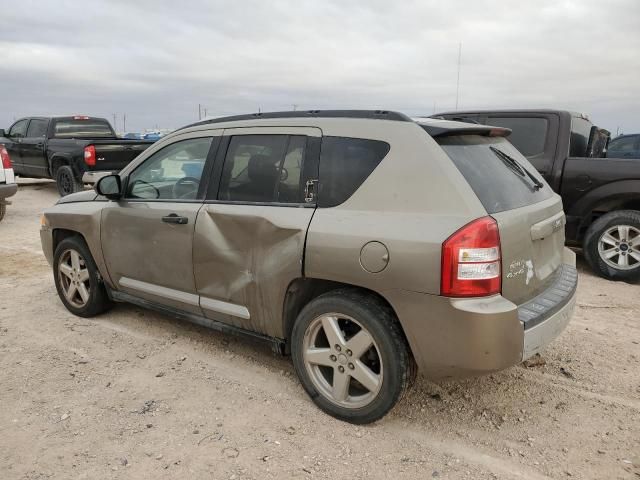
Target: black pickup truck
{"points": [[71, 150], [601, 196]]}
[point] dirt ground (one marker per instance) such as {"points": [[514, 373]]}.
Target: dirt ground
{"points": [[134, 394]]}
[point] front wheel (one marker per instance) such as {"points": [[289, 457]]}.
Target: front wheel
{"points": [[77, 279], [351, 356], [612, 245]]}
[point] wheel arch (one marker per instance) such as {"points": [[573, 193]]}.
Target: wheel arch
{"points": [[303, 290], [622, 195], [56, 161]]}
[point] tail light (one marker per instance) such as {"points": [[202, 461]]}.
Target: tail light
{"points": [[4, 156], [90, 155], [471, 261]]}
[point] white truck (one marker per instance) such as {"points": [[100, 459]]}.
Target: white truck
{"points": [[8, 185]]}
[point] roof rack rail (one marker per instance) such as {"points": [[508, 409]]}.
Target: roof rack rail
{"points": [[364, 114]]}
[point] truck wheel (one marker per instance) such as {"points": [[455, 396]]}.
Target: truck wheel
{"points": [[3, 210], [77, 279], [351, 356], [612, 245], [66, 181]]}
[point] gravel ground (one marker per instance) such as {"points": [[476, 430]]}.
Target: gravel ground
{"points": [[134, 394]]}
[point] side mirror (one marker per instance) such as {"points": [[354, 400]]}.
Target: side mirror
{"points": [[110, 187], [2, 132]]}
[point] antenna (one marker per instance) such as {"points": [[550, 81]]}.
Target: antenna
{"points": [[458, 82]]}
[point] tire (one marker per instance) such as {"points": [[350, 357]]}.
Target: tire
{"points": [[3, 210], [600, 245], [95, 299], [390, 367], [67, 182]]}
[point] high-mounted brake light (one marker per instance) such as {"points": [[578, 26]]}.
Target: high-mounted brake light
{"points": [[471, 261], [90, 155], [81, 117], [4, 156]]}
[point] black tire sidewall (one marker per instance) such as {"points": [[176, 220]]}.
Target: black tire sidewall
{"points": [[595, 231], [66, 171], [98, 300], [379, 321]]}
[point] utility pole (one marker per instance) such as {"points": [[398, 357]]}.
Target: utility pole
{"points": [[124, 123], [205, 113], [115, 124], [458, 82], [199, 112], [295, 107]]}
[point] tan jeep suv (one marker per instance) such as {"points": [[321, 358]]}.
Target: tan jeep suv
{"points": [[363, 243]]}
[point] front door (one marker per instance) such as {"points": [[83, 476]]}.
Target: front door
{"points": [[147, 237], [250, 234]]}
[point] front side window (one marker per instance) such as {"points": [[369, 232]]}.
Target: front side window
{"points": [[37, 128], [264, 168], [172, 173], [19, 129]]}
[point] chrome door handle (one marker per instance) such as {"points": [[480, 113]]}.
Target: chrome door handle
{"points": [[175, 219]]}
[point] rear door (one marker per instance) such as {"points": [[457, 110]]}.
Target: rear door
{"points": [[530, 218], [250, 234], [147, 237], [33, 157]]}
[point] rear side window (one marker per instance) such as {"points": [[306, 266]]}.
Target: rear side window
{"points": [[345, 163], [624, 144], [264, 168], [580, 135], [77, 128], [37, 128], [529, 135], [498, 186]]}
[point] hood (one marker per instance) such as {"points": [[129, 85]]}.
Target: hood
{"points": [[85, 196]]}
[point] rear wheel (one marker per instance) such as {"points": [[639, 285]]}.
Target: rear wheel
{"points": [[66, 181], [350, 355], [77, 279], [612, 245]]}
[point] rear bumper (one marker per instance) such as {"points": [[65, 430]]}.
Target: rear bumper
{"points": [[454, 338], [94, 176], [7, 190]]}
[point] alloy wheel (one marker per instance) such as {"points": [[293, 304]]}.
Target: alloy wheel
{"points": [[343, 360], [74, 278], [619, 247]]}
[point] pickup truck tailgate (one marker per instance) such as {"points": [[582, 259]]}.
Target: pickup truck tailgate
{"points": [[115, 155]]}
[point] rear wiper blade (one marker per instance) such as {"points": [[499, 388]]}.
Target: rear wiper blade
{"points": [[517, 168]]}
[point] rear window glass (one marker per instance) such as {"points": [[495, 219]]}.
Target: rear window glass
{"points": [[580, 134], [529, 135], [345, 163], [498, 186], [93, 127]]}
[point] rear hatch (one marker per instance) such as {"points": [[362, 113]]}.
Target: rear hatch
{"points": [[114, 155], [529, 214]]}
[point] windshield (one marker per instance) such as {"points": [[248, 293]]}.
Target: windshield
{"points": [[79, 128], [499, 175]]}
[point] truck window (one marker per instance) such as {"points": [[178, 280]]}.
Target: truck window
{"points": [[580, 133], [496, 184], [19, 129], [37, 128], [79, 128], [528, 135]]}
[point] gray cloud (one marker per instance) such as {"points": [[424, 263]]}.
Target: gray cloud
{"points": [[156, 61]]}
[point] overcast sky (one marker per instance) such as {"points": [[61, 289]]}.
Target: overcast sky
{"points": [[156, 61]]}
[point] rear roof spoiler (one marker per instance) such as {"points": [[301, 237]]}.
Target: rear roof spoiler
{"points": [[444, 128]]}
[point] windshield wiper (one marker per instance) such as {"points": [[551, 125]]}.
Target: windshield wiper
{"points": [[517, 168]]}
